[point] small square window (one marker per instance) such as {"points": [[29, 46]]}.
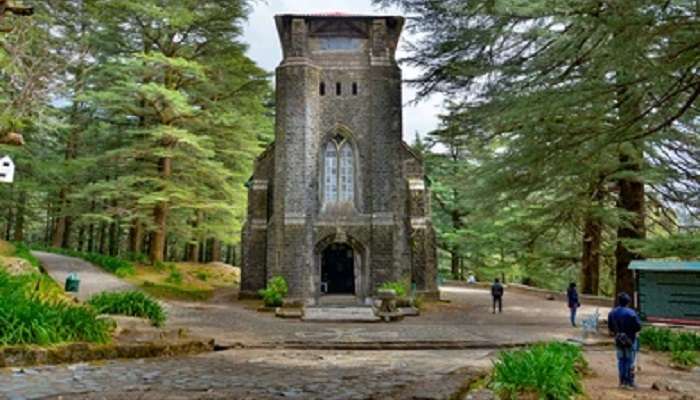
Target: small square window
{"points": [[322, 89], [354, 88], [338, 89]]}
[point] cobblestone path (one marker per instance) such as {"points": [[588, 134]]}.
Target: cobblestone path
{"points": [[249, 374], [92, 279]]}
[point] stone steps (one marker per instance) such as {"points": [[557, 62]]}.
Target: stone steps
{"points": [[340, 314]]}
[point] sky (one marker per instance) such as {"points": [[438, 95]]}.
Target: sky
{"points": [[261, 36]]}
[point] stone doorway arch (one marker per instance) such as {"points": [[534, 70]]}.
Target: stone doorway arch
{"points": [[339, 257], [337, 269]]}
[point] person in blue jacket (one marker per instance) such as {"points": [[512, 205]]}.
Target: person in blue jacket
{"points": [[624, 323], [572, 299]]}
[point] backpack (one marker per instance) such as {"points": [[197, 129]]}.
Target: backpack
{"points": [[497, 290], [622, 340]]}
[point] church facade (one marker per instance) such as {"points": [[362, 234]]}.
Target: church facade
{"points": [[338, 204]]}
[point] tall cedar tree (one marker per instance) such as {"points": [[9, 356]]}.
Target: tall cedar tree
{"points": [[591, 96], [147, 116]]}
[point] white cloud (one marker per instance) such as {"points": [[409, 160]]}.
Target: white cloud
{"points": [[261, 35]]}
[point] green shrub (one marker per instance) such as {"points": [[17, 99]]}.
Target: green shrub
{"points": [[401, 288], [23, 251], [684, 358], [137, 258], [685, 341], [664, 339], [132, 303], [549, 370], [175, 276], [273, 295], [115, 265], [29, 316], [202, 276]]}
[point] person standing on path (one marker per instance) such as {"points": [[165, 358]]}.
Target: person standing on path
{"points": [[572, 298], [624, 323], [497, 294]]}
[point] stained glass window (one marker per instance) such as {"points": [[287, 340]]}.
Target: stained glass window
{"points": [[331, 173], [346, 172], [338, 172]]}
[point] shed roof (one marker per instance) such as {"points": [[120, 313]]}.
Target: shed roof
{"points": [[646, 265]]}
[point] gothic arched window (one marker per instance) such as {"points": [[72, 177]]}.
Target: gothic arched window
{"points": [[338, 172]]}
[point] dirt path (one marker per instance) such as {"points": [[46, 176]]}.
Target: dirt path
{"points": [[93, 279], [653, 370]]}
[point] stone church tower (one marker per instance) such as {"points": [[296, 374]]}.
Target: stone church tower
{"points": [[338, 204]]}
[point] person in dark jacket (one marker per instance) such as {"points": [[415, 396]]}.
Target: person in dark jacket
{"points": [[497, 295], [572, 298], [624, 323]]}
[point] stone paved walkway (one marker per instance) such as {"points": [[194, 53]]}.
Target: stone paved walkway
{"points": [[92, 279], [254, 374], [273, 373], [467, 318]]}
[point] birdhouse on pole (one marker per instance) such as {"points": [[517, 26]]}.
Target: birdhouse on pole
{"points": [[7, 169]]}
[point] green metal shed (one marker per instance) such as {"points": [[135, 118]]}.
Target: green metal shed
{"points": [[668, 291]]}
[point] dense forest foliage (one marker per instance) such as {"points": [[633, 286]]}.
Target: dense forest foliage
{"points": [[570, 144], [568, 148], [141, 122]]}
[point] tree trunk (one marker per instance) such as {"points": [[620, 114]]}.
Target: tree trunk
{"points": [[592, 241], [91, 230], [631, 200], [114, 238], [215, 250], [454, 264], [194, 248], [103, 238], [59, 225], [136, 237], [590, 260], [204, 251], [160, 217], [81, 237], [630, 185], [193, 252], [67, 230], [47, 227], [19, 219], [230, 250], [91, 238]]}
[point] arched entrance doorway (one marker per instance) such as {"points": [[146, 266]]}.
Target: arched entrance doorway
{"points": [[338, 269]]}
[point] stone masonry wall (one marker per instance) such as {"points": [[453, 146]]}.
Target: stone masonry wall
{"points": [[386, 225]]}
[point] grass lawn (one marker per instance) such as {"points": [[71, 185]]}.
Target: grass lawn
{"points": [[185, 281]]}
